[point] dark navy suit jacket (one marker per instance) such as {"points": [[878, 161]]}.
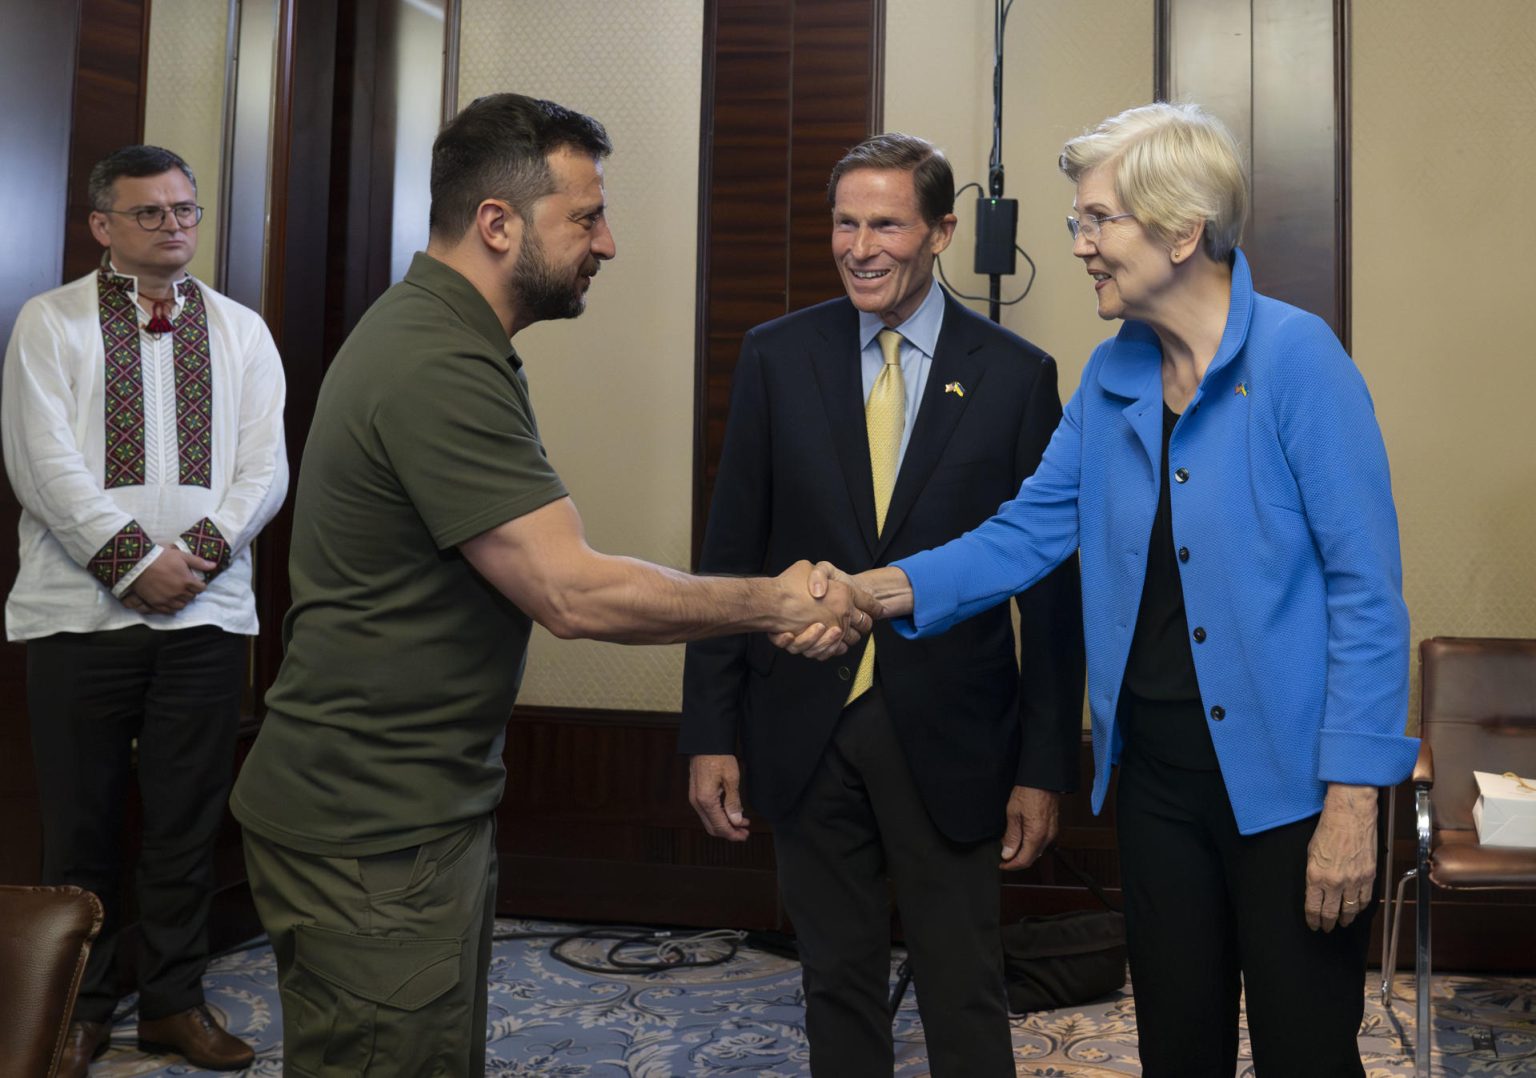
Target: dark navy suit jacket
{"points": [[795, 482]]}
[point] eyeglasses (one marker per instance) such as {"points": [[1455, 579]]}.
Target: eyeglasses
{"points": [[150, 218], [1088, 225]]}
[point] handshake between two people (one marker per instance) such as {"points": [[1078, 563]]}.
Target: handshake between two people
{"points": [[843, 608], [848, 607]]}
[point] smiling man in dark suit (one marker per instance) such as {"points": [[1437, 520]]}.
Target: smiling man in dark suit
{"points": [[863, 429]]}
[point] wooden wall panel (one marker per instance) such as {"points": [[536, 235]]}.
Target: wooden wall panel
{"points": [[743, 191], [837, 103], [301, 306], [601, 828], [788, 88], [1276, 73], [108, 110], [37, 66], [1300, 216], [92, 55]]}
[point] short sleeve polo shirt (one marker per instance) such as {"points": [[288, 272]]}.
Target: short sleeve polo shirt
{"points": [[401, 665]]}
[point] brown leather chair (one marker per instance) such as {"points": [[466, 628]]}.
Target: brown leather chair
{"points": [[1477, 713], [45, 936]]}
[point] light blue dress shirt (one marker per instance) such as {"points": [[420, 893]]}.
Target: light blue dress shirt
{"points": [[920, 336]]}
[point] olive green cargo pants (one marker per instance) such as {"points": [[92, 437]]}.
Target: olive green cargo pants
{"points": [[381, 960]]}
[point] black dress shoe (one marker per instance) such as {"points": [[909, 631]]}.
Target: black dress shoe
{"points": [[83, 1043], [197, 1036]]}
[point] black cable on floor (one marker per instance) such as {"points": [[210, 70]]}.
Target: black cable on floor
{"points": [[671, 949]]}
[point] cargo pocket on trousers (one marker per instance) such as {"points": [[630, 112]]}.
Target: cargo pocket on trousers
{"points": [[354, 989]]}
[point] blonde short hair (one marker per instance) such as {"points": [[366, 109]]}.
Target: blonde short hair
{"points": [[1173, 166]]}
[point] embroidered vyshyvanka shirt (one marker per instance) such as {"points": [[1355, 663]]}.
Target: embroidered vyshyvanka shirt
{"points": [[120, 442]]}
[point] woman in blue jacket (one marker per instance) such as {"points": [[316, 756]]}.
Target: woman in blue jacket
{"points": [[1221, 473]]}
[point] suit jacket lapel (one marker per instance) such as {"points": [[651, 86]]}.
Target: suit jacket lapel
{"points": [[956, 358], [835, 362]]}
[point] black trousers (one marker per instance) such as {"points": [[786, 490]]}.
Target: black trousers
{"points": [[860, 823], [1211, 913], [90, 695]]}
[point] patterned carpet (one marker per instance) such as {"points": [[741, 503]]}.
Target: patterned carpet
{"points": [[744, 1017]]}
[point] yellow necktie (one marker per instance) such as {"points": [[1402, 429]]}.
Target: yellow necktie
{"points": [[885, 418]]}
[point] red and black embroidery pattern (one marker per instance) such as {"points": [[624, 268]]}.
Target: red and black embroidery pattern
{"points": [[194, 391], [124, 381], [206, 541], [121, 553]]}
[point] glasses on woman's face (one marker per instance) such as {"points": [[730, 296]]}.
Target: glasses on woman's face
{"points": [[150, 218], [1089, 224]]}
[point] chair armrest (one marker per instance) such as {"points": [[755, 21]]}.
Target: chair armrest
{"points": [[1424, 767], [1424, 826]]}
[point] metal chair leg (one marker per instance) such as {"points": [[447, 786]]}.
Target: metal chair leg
{"points": [[1393, 914], [1386, 898], [1424, 1033]]}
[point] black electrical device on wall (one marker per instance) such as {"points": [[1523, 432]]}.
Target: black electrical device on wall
{"points": [[997, 218], [997, 226]]}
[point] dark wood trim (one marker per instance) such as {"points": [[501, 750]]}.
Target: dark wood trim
{"points": [[647, 720], [453, 14], [144, 66], [1161, 20], [270, 552], [701, 352], [227, 113], [362, 165], [282, 138], [876, 104], [1343, 132], [1296, 136]]}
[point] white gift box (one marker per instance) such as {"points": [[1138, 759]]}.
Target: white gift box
{"points": [[1505, 812]]}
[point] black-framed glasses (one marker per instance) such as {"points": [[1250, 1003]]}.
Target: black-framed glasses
{"points": [[151, 218], [1088, 225]]}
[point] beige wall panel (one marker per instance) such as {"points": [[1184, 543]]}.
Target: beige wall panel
{"points": [[614, 389], [1065, 68], [1067, 65], [1444, 110], [184, 102]]}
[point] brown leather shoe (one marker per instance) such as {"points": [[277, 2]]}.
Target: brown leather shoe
{"points": [[195, 1035], [83, 1043]]}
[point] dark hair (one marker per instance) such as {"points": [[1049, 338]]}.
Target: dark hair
{"points": [[932, 177], [134, 161], [497, 148]]}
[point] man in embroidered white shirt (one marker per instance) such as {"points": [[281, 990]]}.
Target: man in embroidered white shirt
{"points": [[142, 421]]}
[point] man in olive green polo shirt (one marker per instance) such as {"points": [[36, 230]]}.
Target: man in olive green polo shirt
{"points": [[429, 529]]}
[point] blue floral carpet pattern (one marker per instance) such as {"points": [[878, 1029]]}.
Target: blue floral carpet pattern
{"points": [[745, 1018]]}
